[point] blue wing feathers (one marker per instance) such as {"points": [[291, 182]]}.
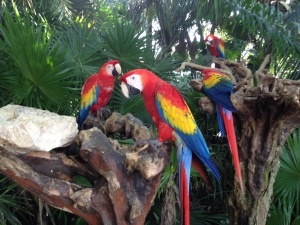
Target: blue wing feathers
{"points": [[84, 111], [211, 165], [196, 142], [220, 94], [221, 53]]}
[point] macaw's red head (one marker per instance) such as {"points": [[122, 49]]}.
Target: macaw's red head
{"points": [[215, 46], [136, 81], [211, 40], [111, 68]]}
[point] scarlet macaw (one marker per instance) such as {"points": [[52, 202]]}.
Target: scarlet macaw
{"points": [[216, 47], [218, 87], [176, 123], [97, 89]]}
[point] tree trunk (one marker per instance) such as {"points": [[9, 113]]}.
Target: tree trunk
{"points": [[266, 115]]}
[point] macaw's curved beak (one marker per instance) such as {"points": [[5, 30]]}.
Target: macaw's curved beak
{"points": [[117, 70], [209, 42], [129, 90]]}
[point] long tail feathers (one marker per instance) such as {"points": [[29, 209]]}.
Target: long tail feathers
{"points": [[184, 155], [199, 166], [228, 121], [211, 165], [83, 113], [220, 121]]}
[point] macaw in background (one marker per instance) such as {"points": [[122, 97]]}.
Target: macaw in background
{"points": [[218, 87], [175, 122], [97, 89], [216, 47]]}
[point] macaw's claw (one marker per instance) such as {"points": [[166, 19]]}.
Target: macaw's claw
{"points": [[103, 113], [153, 143]]}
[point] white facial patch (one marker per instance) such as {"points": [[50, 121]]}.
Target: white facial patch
{"points": [[109, 69], [134, 80]]}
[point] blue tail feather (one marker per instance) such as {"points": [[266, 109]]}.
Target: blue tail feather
{"points": [[184, 154], [220, 121], [83, 113], [213, 168]]}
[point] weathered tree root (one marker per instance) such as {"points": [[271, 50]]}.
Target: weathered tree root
{"points": [[124, 181]]}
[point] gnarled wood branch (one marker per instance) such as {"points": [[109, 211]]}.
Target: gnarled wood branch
{"points": [[123, 182]]}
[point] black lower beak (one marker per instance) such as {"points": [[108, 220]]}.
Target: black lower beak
{"points": [[132, 90], [115, 72]]}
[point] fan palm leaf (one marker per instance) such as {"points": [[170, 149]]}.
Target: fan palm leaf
{"points": [[84, 54], [42, 77], [12, 206], [287, 184]]}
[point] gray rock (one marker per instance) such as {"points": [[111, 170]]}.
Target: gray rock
{"points": [[25, 129]]}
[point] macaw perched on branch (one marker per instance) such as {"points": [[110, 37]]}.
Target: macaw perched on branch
{"points": [[97, 89], [218, 87], [216, 47], [176, 123]]}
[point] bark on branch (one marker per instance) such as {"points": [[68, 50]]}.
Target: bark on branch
{"points": [[124, 181]]}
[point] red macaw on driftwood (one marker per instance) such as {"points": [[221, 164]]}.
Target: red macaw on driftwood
{"points": [[215, 46], [176, 123], [97, 89]]}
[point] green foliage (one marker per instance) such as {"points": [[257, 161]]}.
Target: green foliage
{"points": [[82, 181], [84, 55], [169, 173], [122, 41], [262, 25], [41, 76], [46, 57], [6, 77], [12, 205], [285, 207]]}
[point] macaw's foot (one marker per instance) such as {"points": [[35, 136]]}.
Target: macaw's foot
{"points": [[103, 113], [153, 143], [87, 124]]}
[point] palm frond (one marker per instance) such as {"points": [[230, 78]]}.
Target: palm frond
{"points": [[121, 40], [280, 214], [12, 206], [42, 73], [287, 182], [84, 55]]}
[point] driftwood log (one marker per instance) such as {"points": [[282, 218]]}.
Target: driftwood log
{"points": [[124, 181], [266, 114]]}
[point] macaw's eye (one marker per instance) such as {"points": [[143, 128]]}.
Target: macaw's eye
{"points": [[133, 78]]}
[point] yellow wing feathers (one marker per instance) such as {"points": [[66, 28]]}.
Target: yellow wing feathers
{"points": [[179, 118], [88, 97]]}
